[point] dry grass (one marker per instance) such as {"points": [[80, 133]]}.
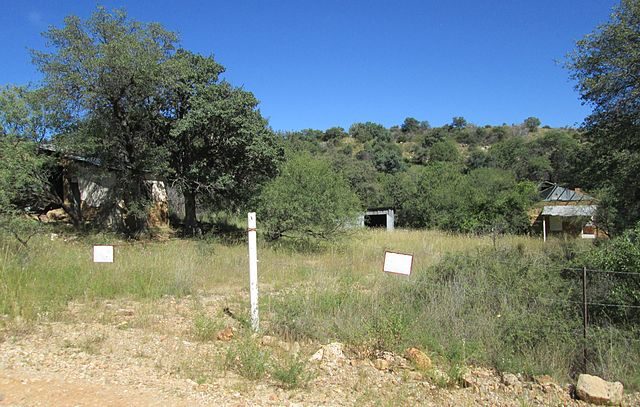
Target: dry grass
{"points": [[338, 292], [43, 279]]}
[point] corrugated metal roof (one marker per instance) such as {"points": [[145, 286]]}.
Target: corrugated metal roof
{"points": [[558, 193], [569, 210]]}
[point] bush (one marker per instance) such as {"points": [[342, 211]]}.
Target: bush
{"points": [[291, 373], [615, 279], [506, 308], [23, 185], [205, 328], [441, 196], [247, 359], [309, 200]]}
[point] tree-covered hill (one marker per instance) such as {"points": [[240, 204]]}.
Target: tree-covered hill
{"points": [[459, 176]]}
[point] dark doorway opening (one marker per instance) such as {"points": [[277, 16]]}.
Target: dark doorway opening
{"points": [[375, 221]]}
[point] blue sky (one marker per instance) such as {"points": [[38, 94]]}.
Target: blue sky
{"points": [[324, 63]]}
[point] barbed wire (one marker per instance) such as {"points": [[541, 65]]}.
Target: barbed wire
{"points": [[580, 269]]}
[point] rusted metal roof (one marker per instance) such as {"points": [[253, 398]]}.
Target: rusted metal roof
{"points": [[570, 210]]}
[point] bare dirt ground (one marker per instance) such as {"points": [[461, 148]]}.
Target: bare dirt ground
{"points": [[123, 353]]}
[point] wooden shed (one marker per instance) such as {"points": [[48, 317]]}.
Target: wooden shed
{"points": [[565, 211]]}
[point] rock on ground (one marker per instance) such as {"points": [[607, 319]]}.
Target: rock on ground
{"points": [[593, 389]]}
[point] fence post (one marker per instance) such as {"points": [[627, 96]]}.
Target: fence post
{"points": [[585, 311], [253, 270]]}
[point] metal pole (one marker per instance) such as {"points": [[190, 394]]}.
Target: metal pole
{"points": [[253, 270], [585, 311]]}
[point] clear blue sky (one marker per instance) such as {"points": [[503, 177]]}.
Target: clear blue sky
{"points": [[324, 63]]}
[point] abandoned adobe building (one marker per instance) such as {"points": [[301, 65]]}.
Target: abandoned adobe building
{"points": [[86, 186]]}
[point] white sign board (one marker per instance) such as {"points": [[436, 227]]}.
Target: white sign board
{"points": [[398, 263], [103, 254]]}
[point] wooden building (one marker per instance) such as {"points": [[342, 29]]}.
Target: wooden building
{"points": [[564, 211]]}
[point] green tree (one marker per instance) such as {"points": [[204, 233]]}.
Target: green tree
{"points": [[492, 199], [532, 124], [362, 178], [386, 156], [445, 150], [369, 131], [410, 125], [104, 73], [334, 133], [563, 151], [24, 174], [308, 200], [219, 144], [478, 158], [606, 66], [434, 203], [516, 154], [458, 122]]}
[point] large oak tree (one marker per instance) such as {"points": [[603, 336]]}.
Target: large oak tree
{"points": [[220, 146], [130, 99]]}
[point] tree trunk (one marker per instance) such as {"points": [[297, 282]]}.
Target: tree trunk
{"points": [[190, 221]]}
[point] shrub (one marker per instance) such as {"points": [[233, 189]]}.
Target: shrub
{"points": [[615, 279], [507, 308], [247, 359], [291, 373], [309, 200], [205, 328], [441, 196]]}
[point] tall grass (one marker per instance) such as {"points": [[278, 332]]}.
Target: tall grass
{"points": [[468, 300]]}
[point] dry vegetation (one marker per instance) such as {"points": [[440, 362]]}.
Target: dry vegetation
{"points": [[470, 301]]}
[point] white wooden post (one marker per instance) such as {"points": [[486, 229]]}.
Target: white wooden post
{"points": [[544, 228], [253, 270]]}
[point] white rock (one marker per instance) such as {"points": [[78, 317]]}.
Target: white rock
{"points": [[593, 389], [510, 379], [317, 357]]}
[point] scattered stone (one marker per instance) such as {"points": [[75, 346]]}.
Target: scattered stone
{"points": [[225, 335], [419, 358], [545, 380], [333, 352], [509, 379], [125, 312], [58, 215], [330, 353], [479, 377], [317, 357], [268, 340], [417, 376], [366, 363], [593, 389], [381, 364]]}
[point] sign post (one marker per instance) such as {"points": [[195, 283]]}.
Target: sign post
{"points": [[253, 270], [397, 263], [102, 254]]}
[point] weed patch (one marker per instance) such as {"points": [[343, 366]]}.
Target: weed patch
{"points": [[247, 359], [205, 328], [291, 373]]}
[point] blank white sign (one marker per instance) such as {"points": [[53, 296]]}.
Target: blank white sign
{"points": [[398, 263], [103, 254]]}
